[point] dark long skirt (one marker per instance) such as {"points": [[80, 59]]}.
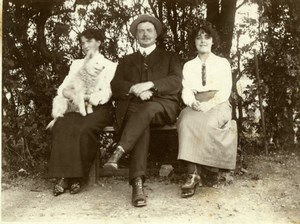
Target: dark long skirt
{"points": [[74, 142]]}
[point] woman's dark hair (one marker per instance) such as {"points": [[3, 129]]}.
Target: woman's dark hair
{"points": [[207, 28], [92, 34]]}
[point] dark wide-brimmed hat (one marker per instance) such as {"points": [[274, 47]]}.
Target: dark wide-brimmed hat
{"points": [[146, 18]]}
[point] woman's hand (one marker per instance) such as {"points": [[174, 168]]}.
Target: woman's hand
{"points": [[196, 105], [96, 98], [205, 106]]}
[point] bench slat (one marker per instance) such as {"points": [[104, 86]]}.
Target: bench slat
{"points": [[165, 127]]}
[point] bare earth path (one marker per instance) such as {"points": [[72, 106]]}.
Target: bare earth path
{"points": [[268, 193]]}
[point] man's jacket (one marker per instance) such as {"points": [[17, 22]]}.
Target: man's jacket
{"points": [[164, 70]]}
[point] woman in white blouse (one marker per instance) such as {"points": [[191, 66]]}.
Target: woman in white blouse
{"points": [[207, 135], [74, 137]]}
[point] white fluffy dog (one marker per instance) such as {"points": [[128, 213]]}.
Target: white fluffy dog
{"points": [[82, 84]]}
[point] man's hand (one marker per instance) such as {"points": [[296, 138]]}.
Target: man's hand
{"points": [[137, 89], [146, 95]]}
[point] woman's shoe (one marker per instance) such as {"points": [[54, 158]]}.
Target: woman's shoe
{"points": [[60, 187], [75, 187], [189, 188]]}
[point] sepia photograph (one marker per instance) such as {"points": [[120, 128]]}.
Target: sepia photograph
{"points": [[150, 111]]}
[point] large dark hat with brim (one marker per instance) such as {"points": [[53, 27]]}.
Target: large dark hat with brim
{"points": [[146, 18]]}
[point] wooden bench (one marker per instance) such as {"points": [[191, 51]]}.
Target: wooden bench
{"points": [[97, 171]]}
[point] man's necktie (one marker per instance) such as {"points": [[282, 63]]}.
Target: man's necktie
{"points": [[144, 61], [203, 74]]}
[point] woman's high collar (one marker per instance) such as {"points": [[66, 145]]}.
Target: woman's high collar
{"points": [[206, 58]]}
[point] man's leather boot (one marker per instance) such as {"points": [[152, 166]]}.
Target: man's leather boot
{"points": [[138, 196], [112, 162]]}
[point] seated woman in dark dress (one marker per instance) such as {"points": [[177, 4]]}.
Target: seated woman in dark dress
{"points": [[74, 137]]}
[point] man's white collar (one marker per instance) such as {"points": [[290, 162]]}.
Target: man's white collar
{"points": [[147, 50]]}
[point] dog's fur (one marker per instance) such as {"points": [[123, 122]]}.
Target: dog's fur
{"points": [[83, 83]]}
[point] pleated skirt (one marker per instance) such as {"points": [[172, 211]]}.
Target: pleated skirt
{"points": [[75, 142], [208, 138]]}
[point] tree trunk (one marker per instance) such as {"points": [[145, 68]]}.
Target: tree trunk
{"points": [[213, 13], [289, 126], [223, 20], [294, 6], [226, 24]]}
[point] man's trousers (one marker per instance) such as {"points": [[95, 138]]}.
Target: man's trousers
{"points": [[135, 135]]}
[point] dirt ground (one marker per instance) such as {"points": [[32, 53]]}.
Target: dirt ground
{"points": [[266, 191]]}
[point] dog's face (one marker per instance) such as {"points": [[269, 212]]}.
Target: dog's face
{"points": [[93, 65]]}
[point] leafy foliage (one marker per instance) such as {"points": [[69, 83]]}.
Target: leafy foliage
{"points": [[279, 67]]}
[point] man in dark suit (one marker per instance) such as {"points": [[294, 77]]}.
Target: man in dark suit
{"points": [[145, 87]]}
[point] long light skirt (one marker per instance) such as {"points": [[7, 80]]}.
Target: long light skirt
{"points": [[208, 138]]}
